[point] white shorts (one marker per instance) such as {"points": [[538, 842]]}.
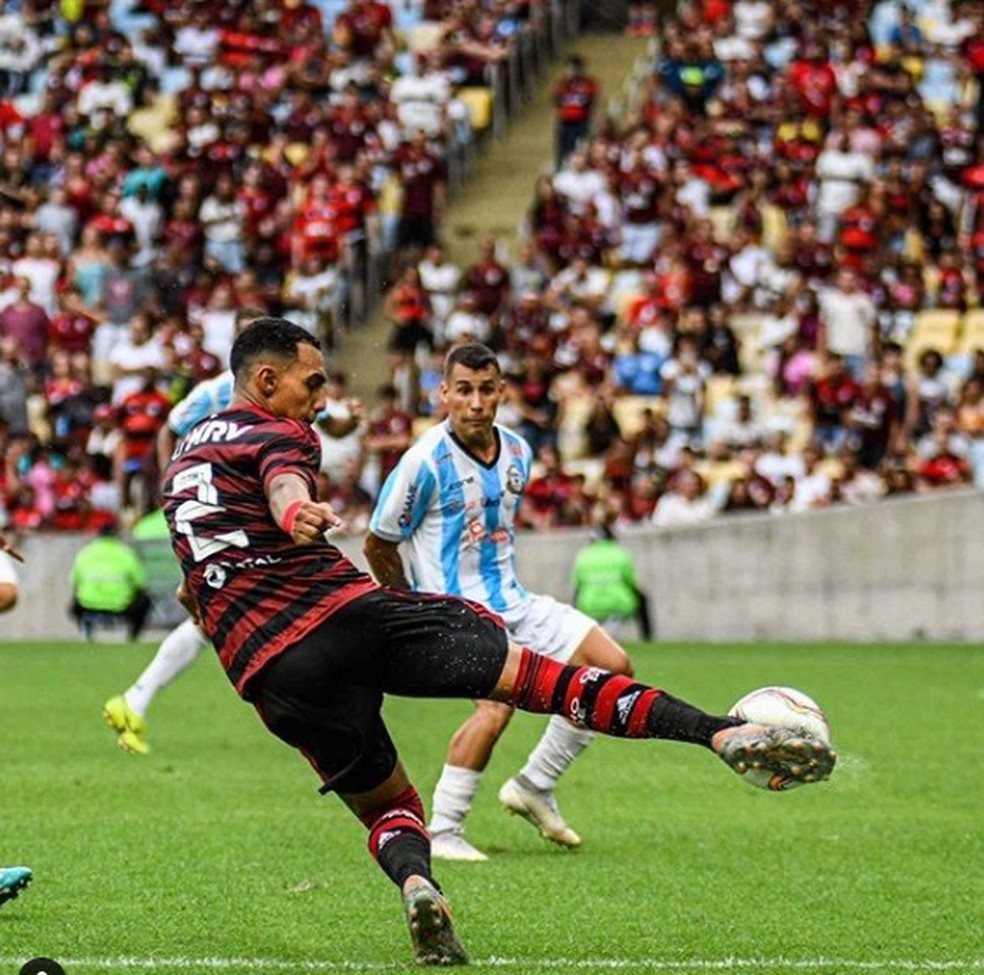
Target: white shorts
{"points": [[549, 627], [8, 573]]}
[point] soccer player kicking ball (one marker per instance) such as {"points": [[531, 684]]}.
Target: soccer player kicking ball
{"points": [[314, 644], [126, 713], [12, 879], [452, 502]]}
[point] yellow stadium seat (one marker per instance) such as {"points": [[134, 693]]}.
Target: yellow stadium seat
{"points": [[426, 36], [628, 411], [480, 102], [719, 389], [940, 325], [972, 332]]}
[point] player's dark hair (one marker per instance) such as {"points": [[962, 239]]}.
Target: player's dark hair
{"points": [[471, 355], [268, 336]]}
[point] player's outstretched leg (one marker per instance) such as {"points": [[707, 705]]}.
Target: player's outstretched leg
{"points": [[431, 927], [12, 881], [617, 705]]}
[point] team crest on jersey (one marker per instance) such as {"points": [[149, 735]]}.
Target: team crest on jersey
{"points": [[215, 576], [514, 480]]}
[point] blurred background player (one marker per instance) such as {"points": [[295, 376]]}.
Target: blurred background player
{"points": [[108, 579], [451, 503], [12, 879], [126, 713], [606, 587]]}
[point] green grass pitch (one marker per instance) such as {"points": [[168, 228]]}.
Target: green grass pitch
{"points": [[215, 853]]}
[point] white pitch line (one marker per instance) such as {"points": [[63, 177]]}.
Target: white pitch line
{"points": [[129, 964]]}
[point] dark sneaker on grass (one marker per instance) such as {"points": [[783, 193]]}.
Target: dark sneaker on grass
{"points": [[431, 927]]}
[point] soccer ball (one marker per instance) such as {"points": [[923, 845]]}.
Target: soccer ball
{"points": [[784, 707]]}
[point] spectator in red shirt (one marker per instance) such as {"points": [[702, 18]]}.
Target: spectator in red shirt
{"points": [[142, 414], [488, 280], [390, 433], [813, 79], [72, 327], [28, 324], [363, 28], [423, 178], [835, 395], [574, 98]]}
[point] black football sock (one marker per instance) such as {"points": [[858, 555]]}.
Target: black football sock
{"points": [[398, 839]]}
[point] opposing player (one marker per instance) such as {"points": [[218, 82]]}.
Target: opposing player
{"points": [[126, 713], [12, 879], [451, 503], [314, 644]]}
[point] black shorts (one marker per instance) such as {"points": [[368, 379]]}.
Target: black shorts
{"points": [[323, 695]]}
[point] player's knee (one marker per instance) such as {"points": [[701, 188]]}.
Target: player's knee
{"points": [[491, 718], [8, 597], [600, 650]]}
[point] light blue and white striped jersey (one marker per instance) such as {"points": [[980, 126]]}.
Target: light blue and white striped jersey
{"points": [[457, 517], [208, 397]]}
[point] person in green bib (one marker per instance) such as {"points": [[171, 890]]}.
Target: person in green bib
{"points": [[109, 580], [605, 584]]}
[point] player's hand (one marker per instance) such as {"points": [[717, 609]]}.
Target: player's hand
{"points": [[312, 520], [8, 547], [184, 596]]}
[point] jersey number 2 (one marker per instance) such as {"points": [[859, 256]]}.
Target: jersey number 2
{"points": [[205, 503]]}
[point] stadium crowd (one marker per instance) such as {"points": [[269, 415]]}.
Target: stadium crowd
{"points": [[756, 291]]}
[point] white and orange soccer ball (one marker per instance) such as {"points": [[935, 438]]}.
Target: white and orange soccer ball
{"points": [[783, 707]]}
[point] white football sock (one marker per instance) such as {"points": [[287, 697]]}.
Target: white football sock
{"points": [[453, 797], [180, 647], [560, 745]]}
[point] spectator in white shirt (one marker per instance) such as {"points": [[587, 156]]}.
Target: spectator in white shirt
{"points": [[686, 502], [578, 183], [130, 359], [196, 42], [842, 175], [467, 323], [43, 273], [439, 277], [104, 93], [813, 486], [147, 217], [56, 216], [221, 216], [848, 322]]}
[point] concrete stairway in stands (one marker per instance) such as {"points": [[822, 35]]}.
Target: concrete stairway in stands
{"points": [[498, 192]]}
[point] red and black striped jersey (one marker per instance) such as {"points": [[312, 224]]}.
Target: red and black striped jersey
{"points": [[257, 591]]}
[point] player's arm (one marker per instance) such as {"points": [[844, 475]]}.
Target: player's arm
{"points": [[8, 547], [297, 514], [400, 509], [384, 560], [166, 442]]}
